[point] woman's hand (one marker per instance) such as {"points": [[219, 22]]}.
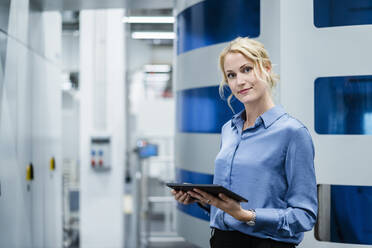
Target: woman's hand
{"points": [[182, 197], [224, 203]]}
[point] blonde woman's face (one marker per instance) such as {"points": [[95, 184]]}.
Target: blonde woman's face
{"points": [[242, 80]]}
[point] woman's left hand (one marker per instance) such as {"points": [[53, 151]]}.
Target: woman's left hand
{"points": [[222, 202]]}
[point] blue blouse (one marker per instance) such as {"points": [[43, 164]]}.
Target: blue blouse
{"points": [[272, 165]]}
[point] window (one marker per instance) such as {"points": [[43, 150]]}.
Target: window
{"points": [[330, 13], [345, 214], [343, 105]]}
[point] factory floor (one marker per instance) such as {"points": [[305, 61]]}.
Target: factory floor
{"points": [[155, 224], [160, 241]]}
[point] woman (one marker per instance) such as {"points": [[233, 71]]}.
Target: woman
{"points": [[266, 156]]}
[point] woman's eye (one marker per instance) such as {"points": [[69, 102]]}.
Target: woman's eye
{"points": [[230, 75], [247, 69]]}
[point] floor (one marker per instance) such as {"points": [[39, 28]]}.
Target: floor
{"points": [[157, 240], [156, 224]]}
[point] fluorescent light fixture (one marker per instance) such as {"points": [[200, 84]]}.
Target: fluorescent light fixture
{"points": [[154, 35], [157, 68], [148, 19]]}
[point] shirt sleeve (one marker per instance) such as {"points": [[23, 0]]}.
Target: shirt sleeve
{"points": [[302, 205]]}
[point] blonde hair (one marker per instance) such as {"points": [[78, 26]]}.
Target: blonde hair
{"points": [[254, 51]]}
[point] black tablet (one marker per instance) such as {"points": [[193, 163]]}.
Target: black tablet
{"points": [[213, 189]]}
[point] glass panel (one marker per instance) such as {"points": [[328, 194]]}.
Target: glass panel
{"points": [[343, 105], [345, 214], [215, 21], [201, 110], [330, 13]]}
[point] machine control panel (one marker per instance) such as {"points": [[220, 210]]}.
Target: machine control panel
{"points": [[100, 153]]}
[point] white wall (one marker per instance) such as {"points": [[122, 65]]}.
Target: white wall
{"points": [[139, 53], [162, 55], [156, 117], [71, 51], [30, 128], [70, 127], [102, 111]]}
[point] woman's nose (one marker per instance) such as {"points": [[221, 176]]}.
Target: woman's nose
{"points": [[240, 79]]}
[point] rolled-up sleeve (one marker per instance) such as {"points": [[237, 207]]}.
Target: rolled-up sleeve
{"points": [[301, 197]]}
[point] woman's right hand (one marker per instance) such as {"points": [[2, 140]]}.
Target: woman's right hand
{"points": [[183, 197]]}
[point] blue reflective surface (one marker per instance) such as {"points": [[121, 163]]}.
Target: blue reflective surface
{"points": [[149, 150], [186, 176], [343, 105], [201, 110], [215, 21], [351, 214], [330, 13]]}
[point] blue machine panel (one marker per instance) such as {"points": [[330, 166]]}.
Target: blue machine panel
{"points": [[186, 176], [351, 215], [330, 13], [215, 21], [201, 110], [343, 105]]}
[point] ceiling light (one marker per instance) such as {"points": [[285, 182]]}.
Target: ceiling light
{"points": [[148, 19], [153, 35]]}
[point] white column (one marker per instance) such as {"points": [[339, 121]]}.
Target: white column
{"points": [[102, 111]]}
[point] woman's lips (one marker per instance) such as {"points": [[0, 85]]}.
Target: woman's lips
{"points": [[245, 91]]}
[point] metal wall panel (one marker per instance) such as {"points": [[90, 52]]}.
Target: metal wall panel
{"points": [[29, 127], [15, 149]]}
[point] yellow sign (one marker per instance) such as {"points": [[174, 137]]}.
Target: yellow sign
{"points": [[52, 164], [29, 172]]}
